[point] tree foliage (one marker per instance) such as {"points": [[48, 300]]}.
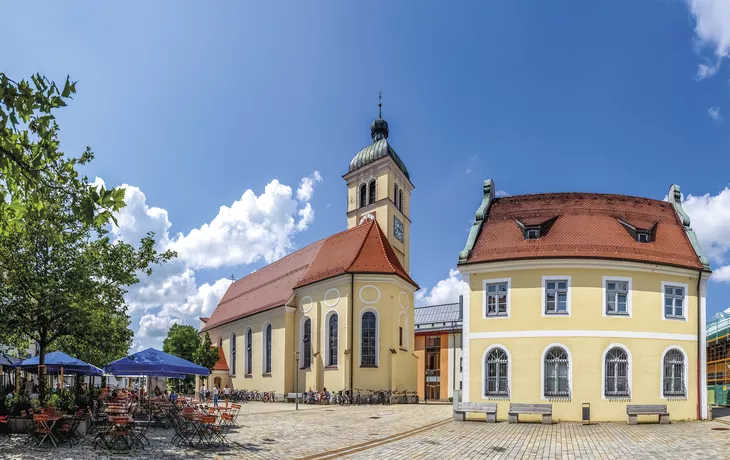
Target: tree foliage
{"points": [[182, 341], [206, 355], [30, 158], [62, 278]]}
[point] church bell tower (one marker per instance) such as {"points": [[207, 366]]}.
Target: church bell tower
{"points": [[379, 188]]}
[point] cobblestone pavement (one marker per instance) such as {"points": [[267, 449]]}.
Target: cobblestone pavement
{"points": [[275, 431]]}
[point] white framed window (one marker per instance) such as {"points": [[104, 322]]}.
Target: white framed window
{"points": [[616, 296], [557, 377], [266, 338], [369, 339], [496, 298], [674, 373], [532, 233], [616, 372], [331, 338], [674, 301], [555, 295], [232, 354], [643, 237], [496, 372]]}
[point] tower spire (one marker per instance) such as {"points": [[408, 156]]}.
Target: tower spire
{"points": [[380, 104]]}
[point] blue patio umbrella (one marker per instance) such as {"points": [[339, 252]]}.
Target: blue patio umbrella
{"points": [[7, 360], [57, 360], [154, 363]]}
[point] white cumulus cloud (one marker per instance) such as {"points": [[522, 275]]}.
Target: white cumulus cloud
{"points": [[447, 290], [253, 228], [712, 29], [714, 113], [710, 219], [306, 187]]}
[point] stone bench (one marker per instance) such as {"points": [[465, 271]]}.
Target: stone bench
{"points": [[490, 409], [546, 410], [294, 396], [634, 410]]}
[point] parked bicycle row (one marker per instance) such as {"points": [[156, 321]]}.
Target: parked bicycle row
{"points": [[361, 397]]}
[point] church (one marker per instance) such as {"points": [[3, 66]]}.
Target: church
{"points": [[339, 313]]}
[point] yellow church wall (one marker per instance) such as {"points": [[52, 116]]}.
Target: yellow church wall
{"points": [[317, 303], [397, 366], [586, 333], [257, 380]]}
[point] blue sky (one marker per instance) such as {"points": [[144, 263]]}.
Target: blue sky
{"points": [[193, 103]]}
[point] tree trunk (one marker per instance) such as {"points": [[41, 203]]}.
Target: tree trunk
{"points": [[42, 370]]}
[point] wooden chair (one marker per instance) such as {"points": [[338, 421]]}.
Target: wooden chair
{"points": [[42, 430]]}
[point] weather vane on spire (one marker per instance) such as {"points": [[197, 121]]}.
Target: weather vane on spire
{"points": [[380, 104]]}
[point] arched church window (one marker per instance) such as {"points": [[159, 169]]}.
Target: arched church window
{"points": [[395, 195], [400, 200], [363, 195], [307, 344], [371, 192]]}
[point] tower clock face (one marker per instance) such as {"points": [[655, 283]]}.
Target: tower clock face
{"points": [[398, 228]]}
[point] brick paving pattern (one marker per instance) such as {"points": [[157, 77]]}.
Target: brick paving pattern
{"points": [[275, 431]]}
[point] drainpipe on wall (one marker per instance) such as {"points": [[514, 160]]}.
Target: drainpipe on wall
{"points": [[699, 348], [352, 328], [461, 318]]}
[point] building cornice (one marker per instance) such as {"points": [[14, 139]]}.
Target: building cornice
{"points": [[370, 170], [395, 279], [561, 263], [376, 204]]}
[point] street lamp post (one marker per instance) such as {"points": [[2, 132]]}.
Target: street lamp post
{"points": [[296, 389]]}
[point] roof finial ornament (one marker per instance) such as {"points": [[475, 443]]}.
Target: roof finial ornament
{"points": [[379, 128]]}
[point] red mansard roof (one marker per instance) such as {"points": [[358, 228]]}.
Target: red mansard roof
{"points": [[587, 225], [361, 249]]}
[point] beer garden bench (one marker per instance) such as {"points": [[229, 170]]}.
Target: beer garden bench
{"points": [[546, 410], [634, 410], [490, 409]]}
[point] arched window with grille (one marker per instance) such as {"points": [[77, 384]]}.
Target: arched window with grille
{"points": [[332, 340], [363, 195], [249, 353], [232, 353], [496, 373], [617, 373], [371, 192], [557, 373], [674, 374], [368, 340], [307, 344], [400, 200], [267, 363]]}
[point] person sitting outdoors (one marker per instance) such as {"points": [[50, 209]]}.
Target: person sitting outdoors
{"points": [[326, 396]]}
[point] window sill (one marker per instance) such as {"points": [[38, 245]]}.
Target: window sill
{"points": [[495, 396], [675, 318], [621, 315], [501, 315], [675, 397], [248, 376], [368, 366], [331, 368], [266, 374], [305, 368], [552, 313], [403, 349]]}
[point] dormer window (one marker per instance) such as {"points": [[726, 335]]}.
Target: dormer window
{"points": [[643, 237], [532, 233], [534, 228], [640, 231]]}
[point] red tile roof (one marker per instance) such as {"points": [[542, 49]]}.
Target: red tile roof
{"points": [[221, 364], [361, 249], [587, 226]]}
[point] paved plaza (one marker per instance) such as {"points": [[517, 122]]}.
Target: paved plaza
{"points": [[275, 431]]}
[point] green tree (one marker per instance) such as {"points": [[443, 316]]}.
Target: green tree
{"points": [[182, 341], [30, 159], [206, 355]]}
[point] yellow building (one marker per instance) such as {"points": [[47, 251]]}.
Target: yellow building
{"points": [[584, 298], [342, 306]]}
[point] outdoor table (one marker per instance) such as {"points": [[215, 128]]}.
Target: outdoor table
{"points": [[53, 418]]}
